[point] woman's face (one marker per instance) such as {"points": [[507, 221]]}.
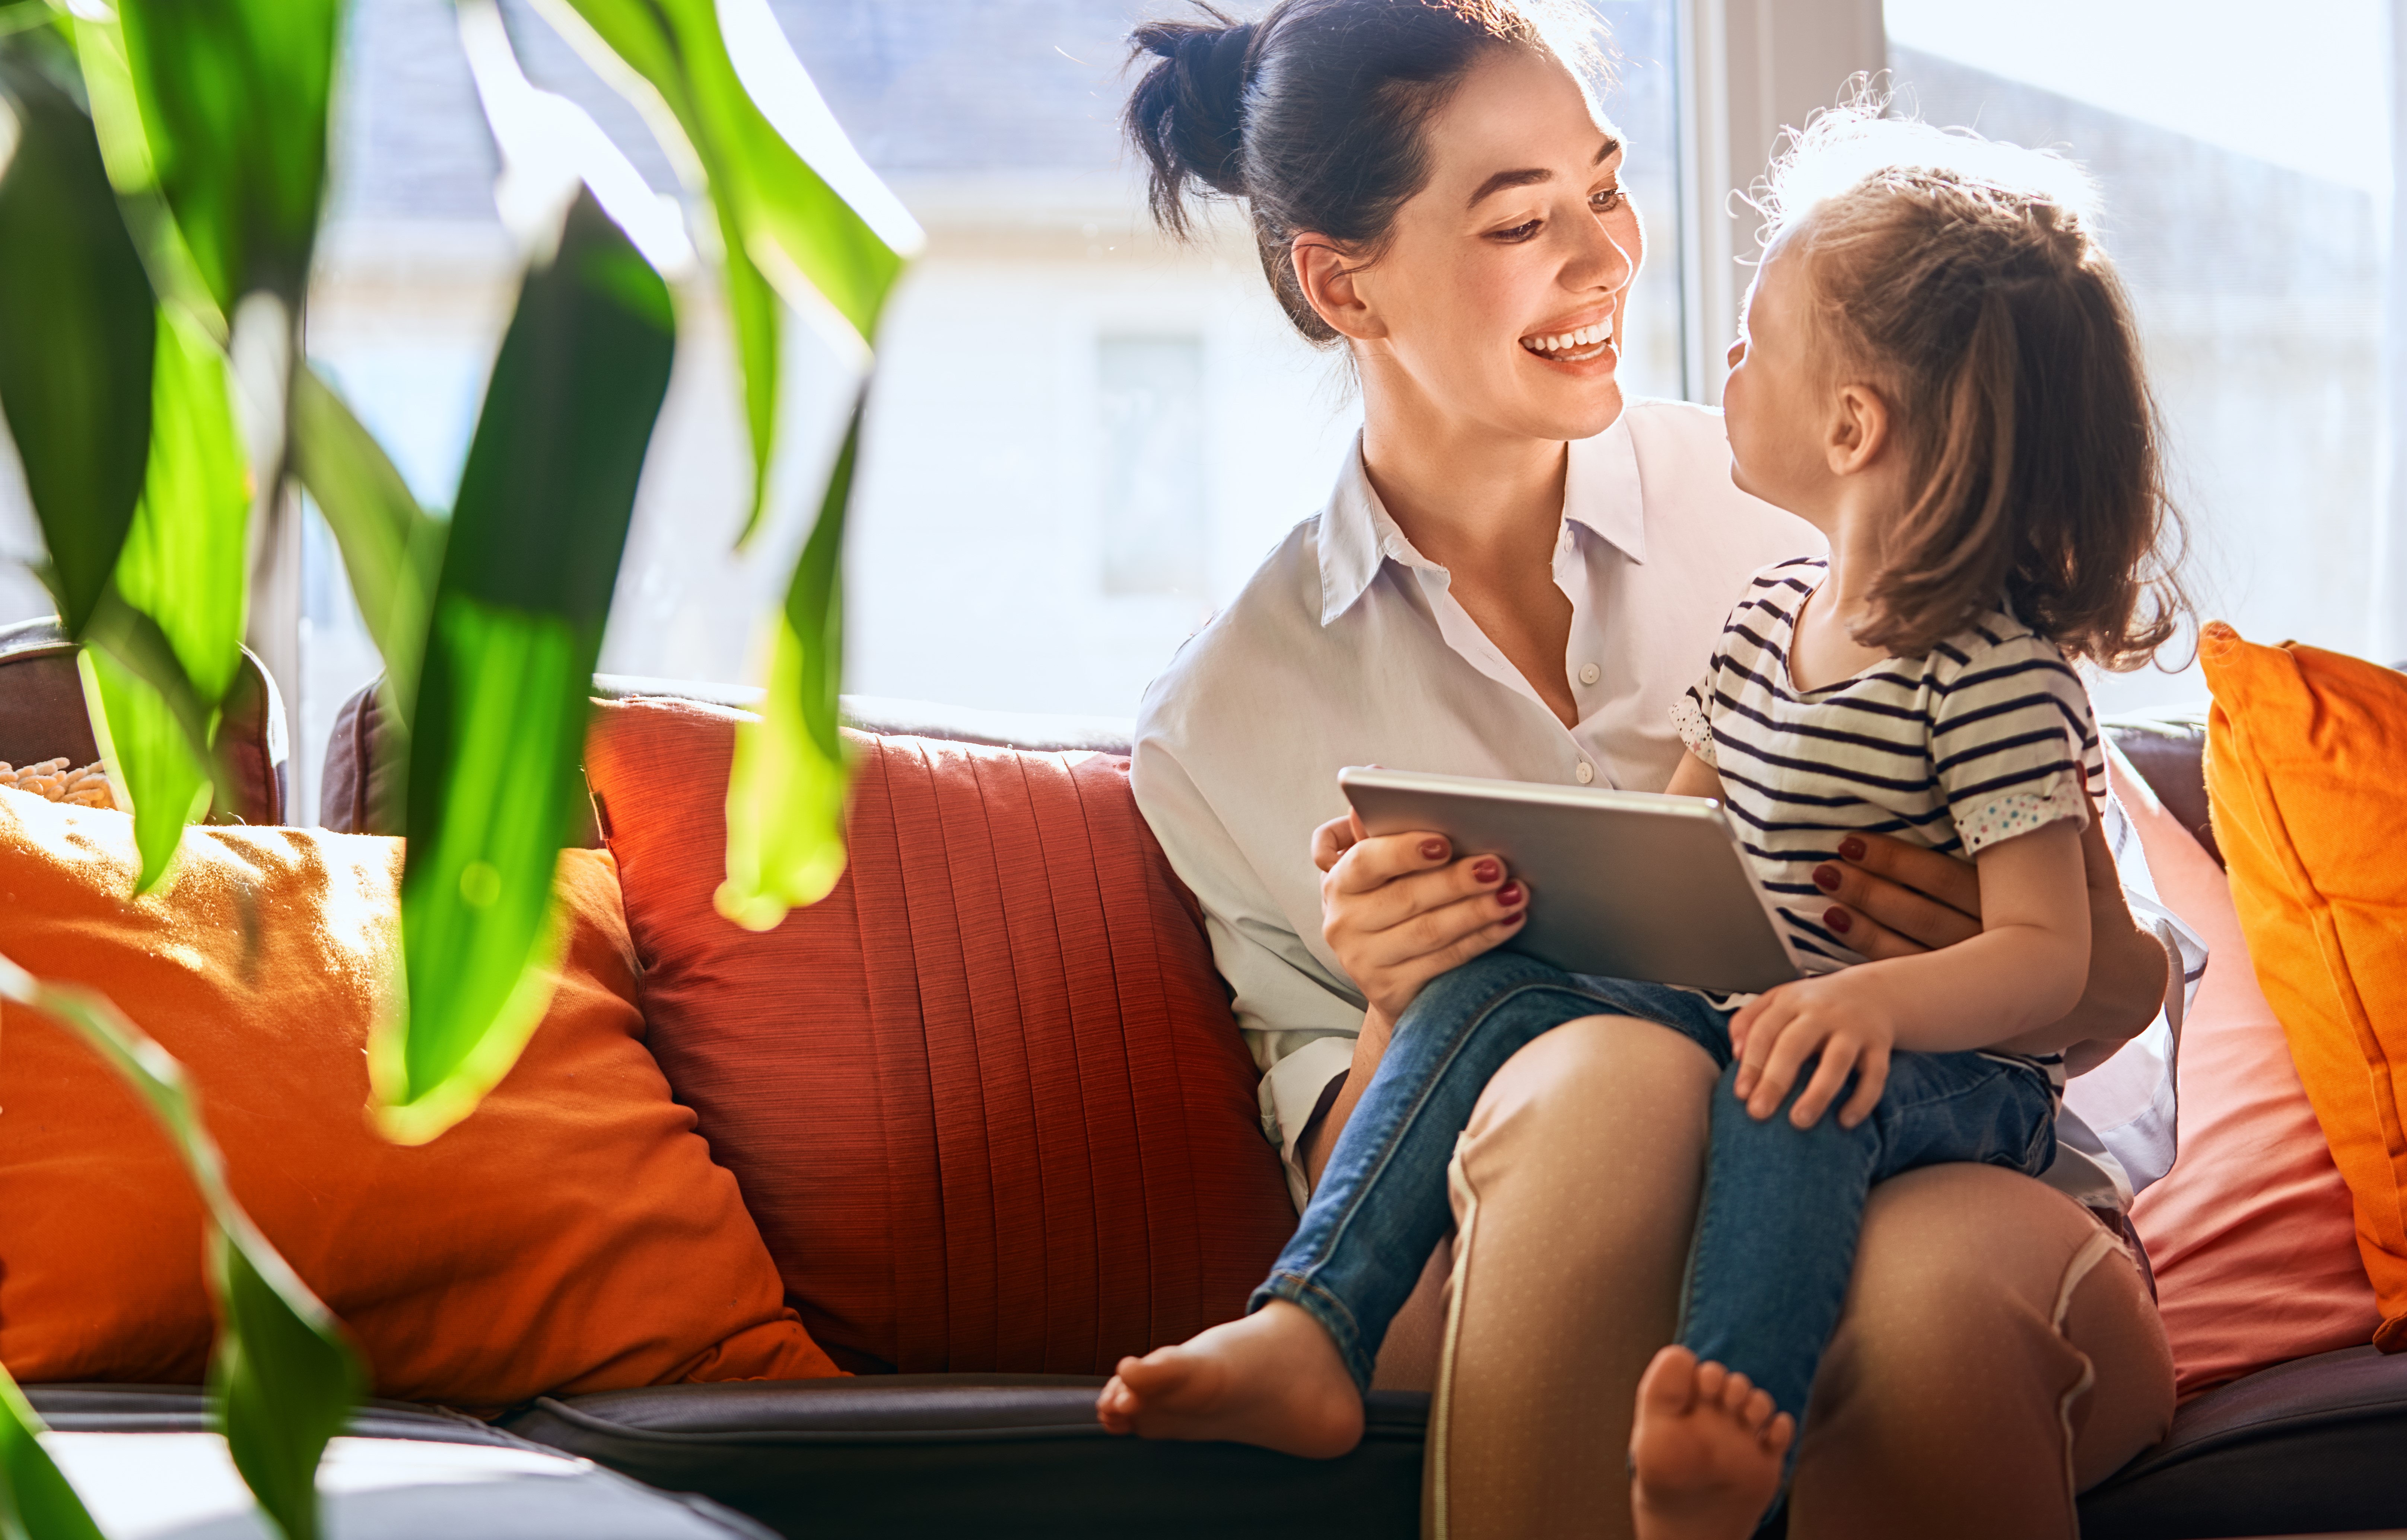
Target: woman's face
{"points": [[1502, 293]]}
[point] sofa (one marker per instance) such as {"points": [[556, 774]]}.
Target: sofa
{"points": [[2307, 1447]]}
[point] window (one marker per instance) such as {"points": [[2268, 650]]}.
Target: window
{"points": [[1082, 441], [1150, 410], [2244, 163]]}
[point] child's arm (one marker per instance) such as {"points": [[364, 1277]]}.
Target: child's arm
{"points": [[2021, 975], [1695, 778]]}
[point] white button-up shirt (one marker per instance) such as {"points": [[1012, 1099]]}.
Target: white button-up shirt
{"points": [[1347, 647]]}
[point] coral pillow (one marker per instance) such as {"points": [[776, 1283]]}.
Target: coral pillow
{"points": [[2307, 770], [2250, 1234], [987, 1100], [572, 1236]]}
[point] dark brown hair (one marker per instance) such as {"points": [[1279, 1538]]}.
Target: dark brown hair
{"points": [[1964, 280], [1315, 114]]}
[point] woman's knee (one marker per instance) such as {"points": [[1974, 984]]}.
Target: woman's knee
{"points": [[1602, 1118]]}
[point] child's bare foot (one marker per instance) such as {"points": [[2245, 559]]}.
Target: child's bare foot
{"points": [[1705, 1454], [1272, 1378]]}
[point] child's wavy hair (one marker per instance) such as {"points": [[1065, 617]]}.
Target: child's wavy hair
{"points": [[1964, 280]]}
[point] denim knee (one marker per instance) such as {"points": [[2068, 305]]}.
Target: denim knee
{"points": [[1458, 993]]}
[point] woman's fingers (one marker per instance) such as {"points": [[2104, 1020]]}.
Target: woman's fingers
{"points": [[1403, 900], [1921, 897], [1440, 931], [1364, 865], [1830, 1076], [1333, 839]]}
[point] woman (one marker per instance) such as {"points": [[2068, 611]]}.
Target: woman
{"points": [[1516, 574]]}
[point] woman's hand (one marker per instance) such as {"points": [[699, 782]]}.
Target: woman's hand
{"points": [[1401, 909], [1890, 899]]}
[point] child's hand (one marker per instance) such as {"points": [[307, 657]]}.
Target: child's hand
{"points": [[1844, 1016]]}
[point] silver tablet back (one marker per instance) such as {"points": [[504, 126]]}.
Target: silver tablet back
{"points": [[1623, 884]]}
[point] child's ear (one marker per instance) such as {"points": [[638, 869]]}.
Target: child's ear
{"points": [[1859, 430], [1327, 281]]}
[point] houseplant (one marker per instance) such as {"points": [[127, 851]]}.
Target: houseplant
{"points": [[162, 172]]}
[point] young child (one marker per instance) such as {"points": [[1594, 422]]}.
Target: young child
{"points": [[1938, 371]]}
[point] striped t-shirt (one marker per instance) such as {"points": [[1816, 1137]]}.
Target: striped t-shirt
{"points": [[1988, 736]]}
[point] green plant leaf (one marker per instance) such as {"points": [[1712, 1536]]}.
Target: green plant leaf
{"points": [[283, 1381], [786, 229], [170, 625], [232, 97], [184, 557], [785, 792], [35, 1501], [392, 549], [76, 338], [147, 748], [528, 572]]}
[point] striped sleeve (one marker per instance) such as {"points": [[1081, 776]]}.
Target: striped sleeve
{"points": [[2014, 744]]}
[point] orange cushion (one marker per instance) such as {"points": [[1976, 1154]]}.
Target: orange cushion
{"points": [[572, 1236], [2306, 757], [2251, 1233], [987, 1100]]}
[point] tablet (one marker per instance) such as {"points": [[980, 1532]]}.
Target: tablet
{"points": [[1628, 884]]}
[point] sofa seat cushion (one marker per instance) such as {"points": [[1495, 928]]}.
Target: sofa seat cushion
{"points": [[2306, 1448], [912, 1456], [572, 1235], [146, 1463], [986, 1100]]}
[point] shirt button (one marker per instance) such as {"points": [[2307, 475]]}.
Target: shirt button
{"points": [[1586, 772], [1591, 674]]}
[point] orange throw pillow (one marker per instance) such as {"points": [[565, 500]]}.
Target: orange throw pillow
{"points": [[2251, 1233], [2306, 752], [574, 1234]]}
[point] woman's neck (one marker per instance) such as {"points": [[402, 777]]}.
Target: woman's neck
{"points": [[1464, 495]]}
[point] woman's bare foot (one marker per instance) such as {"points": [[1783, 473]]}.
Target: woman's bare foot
{"points": [[1272, 1378], [1705, 1454]]}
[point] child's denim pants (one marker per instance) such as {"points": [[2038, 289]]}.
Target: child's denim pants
{"points": [[1776, 1231]]}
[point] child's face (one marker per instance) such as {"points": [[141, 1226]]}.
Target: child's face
{"points": [[1774, 403]]}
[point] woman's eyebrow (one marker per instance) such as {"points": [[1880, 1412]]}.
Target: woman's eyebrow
{"points": [[1531, 176]]}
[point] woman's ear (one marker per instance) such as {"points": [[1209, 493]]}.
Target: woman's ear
{"points": [[1859, 430], [1327, 279]]}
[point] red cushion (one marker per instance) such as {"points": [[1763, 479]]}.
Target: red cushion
{"points": [[986, 1100]]}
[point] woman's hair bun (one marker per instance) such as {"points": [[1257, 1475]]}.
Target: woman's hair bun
{"points": [[1187, 113]]}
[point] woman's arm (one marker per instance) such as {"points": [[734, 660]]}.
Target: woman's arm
{"points": [[1397, 910], [1891, 900], [2002, 988]]}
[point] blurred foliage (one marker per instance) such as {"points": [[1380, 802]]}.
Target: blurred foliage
{"points": [[498, 733], [162, 168]]}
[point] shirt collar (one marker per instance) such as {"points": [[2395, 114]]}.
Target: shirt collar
{"points": [[1358, 536]]}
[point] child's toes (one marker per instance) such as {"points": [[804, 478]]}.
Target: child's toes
{"points": [[1712, 1378], [1734, 1391], [1777, 1433], [1755, 1411]]}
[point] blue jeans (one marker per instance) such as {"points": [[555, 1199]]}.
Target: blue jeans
{"points": [[1776, 1231]]}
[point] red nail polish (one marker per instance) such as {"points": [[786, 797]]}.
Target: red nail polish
{"points": [[1509, 895], [1851, 849], [1432, 849], [1838, 919], [1487, 871], [1826, 877]]}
